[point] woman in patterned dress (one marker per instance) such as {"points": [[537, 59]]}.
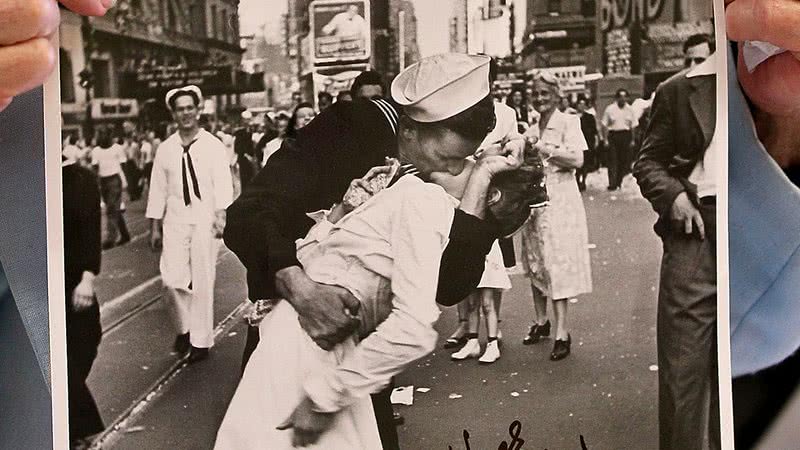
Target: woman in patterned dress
{"points": [[555, 240]]}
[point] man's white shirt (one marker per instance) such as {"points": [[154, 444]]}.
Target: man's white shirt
{"points": [[166, 198]]}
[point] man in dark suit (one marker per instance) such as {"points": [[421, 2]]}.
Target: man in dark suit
{"points": [[675, 171]]}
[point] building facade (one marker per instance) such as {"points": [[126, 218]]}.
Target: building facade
{"points": [[384, 51], [641, 42], [560, 33], [142, 48]]}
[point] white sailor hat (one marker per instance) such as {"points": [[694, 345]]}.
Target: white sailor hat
{"points": [[186, 89], [440, 86]]}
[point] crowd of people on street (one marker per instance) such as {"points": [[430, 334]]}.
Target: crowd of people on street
{"points": [[434, 149]]}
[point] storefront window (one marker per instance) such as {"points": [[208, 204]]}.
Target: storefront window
{"points": [[67, 77], [102, 81], [224, 25], [213, 22]]}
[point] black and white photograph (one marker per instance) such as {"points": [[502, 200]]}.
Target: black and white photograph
{"points": [[386, 224]]}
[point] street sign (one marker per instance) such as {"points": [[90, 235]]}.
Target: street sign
{"points": [[152, 81], [570, 78], [114, 108], [340, 30]]}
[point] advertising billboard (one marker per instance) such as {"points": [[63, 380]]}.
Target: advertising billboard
{"points": [[340, 31]]}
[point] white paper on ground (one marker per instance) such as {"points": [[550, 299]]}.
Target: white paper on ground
{"points": [[756, 52], [403, 395]]}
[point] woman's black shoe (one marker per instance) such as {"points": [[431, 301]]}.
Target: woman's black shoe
{"points": [[561, 349], [536, 333], [182, 344], [455, 342]]}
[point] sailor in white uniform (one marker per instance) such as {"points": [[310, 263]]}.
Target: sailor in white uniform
{"points": [[190, 189]]}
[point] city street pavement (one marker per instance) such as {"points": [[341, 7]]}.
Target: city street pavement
{"points": [[605, 393]]}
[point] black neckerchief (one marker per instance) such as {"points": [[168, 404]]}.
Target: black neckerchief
{"points": [[187, 161]]}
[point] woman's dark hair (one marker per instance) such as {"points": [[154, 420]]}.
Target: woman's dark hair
{"points": [[473, 123], [291, 129], [519, 190], [509, 99], [522, 115], [104, 137]]}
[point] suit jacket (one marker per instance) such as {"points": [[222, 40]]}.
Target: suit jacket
{"points": [[682, 122], [311, 172]]}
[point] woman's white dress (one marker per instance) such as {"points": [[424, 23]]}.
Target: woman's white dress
{"points": [[555, 240], [387, 254]]}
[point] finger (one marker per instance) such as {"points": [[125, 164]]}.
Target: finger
{"points": [[774, 21], [300, 438], [687, 225], [25, 65], [286, 424], [88, 7], [363, 185], [376, 171], [4, 102], [22, 20], [491, 150], [701, 228], [312, 437], [350, 302]]}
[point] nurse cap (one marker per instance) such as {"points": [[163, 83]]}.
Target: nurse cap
{"points": [[186, 89], [439, 87]]}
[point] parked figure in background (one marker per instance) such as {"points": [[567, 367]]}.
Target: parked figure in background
{"points": [[303, 114], [131, 146], [589, 129], [107, 160], [147, 153], [555, 240], [190, 188], [619, 120], [675, 171], [324, 100], [565, 106], [344, 96], [519, 103], [81, 266], [495, 280], [272, 145], [368, 84]]}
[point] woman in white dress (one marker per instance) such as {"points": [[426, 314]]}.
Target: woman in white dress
{"points": [[555, 240], [386, 252]]}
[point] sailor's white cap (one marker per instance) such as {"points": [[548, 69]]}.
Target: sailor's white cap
{"points": [[439, 87], [190, 88]]}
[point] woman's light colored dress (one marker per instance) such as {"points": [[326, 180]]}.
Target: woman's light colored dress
{"points": [[555, 240], [495, 275], [387, 254]]}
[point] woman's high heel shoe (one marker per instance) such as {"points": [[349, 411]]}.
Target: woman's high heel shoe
{"points": [[456, 341], [561, 349], [536, 333]]}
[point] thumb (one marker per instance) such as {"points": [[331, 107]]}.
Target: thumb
{"points": [[351, 303], [286, 424], [88, 7]]}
